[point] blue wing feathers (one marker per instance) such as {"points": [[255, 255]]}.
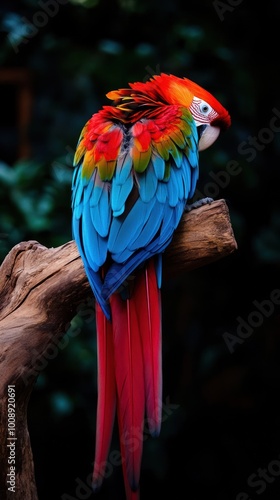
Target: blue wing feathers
{"points": [[101, 214], [88, 192], [177, 156], [159, 165], [148, 183], [122, 184], [98, 185], [96, 285], [123, 168], [119, 195], [172, 187], [149, 230], [112, 219], [162, 193], [123, 232], [90, 240]]}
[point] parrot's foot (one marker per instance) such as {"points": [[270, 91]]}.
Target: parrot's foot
{"points": [[198, 203]]}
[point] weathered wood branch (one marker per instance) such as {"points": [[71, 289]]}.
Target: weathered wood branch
{"points": [[41, 289]]}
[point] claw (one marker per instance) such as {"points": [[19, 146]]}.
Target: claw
{"points": [[198, 203]]}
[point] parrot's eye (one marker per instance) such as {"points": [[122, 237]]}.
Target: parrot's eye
{"points": [[204, 108]]}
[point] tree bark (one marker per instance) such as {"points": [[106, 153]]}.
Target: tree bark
{"points": [[41, 290]]}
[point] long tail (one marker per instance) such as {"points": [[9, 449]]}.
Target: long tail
{"points": [[130, 385], [106, 404], [134, 377], [148, 299]]}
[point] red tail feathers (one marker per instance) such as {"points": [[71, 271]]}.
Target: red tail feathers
{"points": [[106, 405], [129, 376], [148, 300]]}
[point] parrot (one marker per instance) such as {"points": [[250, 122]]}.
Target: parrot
{"points": [[135, 168]]}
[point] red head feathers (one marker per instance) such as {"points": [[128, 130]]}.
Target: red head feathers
{"points": [[168, 89]]}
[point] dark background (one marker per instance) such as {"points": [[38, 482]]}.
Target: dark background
{"points": [[221, 428]]}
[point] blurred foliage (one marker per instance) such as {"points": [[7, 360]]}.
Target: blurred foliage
{"points": [[35, 197], [224, 420]]}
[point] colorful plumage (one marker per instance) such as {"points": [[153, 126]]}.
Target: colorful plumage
{"points": [[136, 166]]}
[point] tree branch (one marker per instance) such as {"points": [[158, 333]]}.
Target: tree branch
{"points": [[41, 289]]}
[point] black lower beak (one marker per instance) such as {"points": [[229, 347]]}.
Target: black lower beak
{"points": [[200, 130]]}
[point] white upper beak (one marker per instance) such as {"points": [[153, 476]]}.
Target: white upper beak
{"points": [[209, 135]]}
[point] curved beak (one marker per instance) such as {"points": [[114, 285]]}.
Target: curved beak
{"points": [[208, 136]]}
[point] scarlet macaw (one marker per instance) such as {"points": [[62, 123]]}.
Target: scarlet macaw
{"points": [[136, 166]]}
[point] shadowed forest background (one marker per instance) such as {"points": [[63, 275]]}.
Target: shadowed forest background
{"points": [[221, 324]]}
